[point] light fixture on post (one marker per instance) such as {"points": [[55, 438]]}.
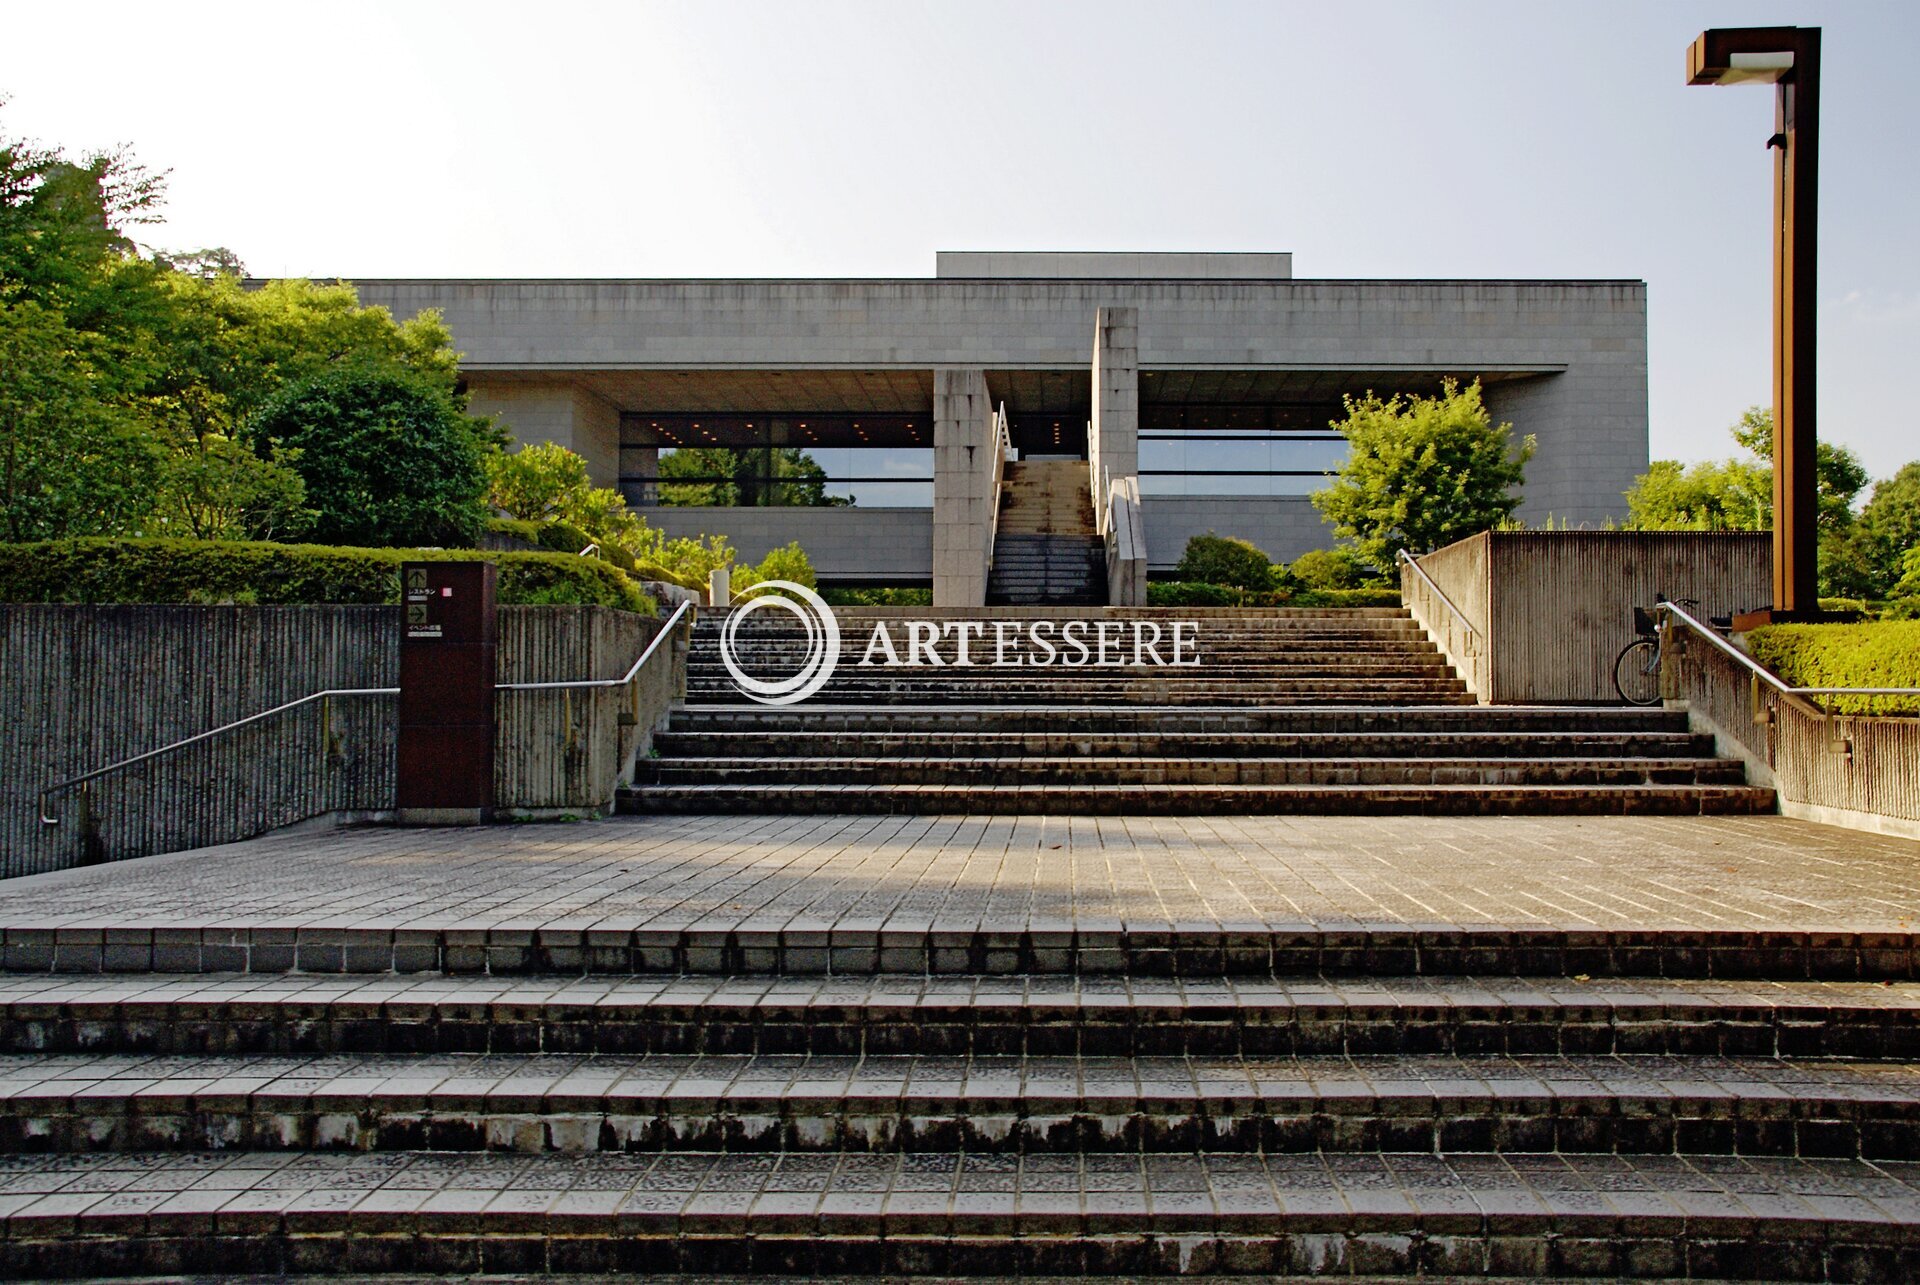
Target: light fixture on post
{"points": [[1788, 58]]}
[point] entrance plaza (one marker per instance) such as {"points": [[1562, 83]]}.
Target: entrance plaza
{"points": [[854, 884]]}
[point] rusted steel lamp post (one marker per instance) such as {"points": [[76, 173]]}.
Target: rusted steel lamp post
{"points": [[1787, 58]]}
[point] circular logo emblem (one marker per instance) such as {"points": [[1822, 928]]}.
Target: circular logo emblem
{"points": [[823, 641]]}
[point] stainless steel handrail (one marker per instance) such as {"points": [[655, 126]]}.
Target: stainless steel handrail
{"points": [[1408, 560], [82, 779], [646, 654], [1712, 635]]}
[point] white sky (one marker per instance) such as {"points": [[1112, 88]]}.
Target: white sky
{"points": [[1526, 139]]}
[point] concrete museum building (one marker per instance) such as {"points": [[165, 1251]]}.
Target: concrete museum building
{"points": [[1032, 427]]}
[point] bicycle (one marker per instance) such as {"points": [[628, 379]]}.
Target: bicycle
{"points": [[1636, 670]]}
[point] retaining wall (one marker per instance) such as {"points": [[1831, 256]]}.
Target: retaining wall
{"points": [[84, 686], [1543, 614]]}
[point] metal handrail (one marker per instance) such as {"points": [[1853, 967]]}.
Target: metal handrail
{"points": [[1406, 559], [646, 654], [83, 778], [1764, 675], [578, 684]]}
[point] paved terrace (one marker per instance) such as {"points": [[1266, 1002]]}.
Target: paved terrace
{"points": [[789, 877]]}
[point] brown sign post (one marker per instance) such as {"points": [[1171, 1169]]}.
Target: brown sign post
{"points": [[447, 643]]}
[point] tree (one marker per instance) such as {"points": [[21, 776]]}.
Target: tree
{"points": [[546, 482], [1422, 472], [1888, 529], [387, 457], [1737, 495], [217, 489], [71, 462]]}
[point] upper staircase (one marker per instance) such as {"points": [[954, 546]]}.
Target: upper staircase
{"points": [[1301, 711], [1046, 549]]}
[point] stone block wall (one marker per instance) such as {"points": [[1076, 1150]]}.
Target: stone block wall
{"points": [[963, 495]]}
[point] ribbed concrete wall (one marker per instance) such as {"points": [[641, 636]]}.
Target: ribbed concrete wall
{"points": [[1552, 609], [82, 687], [1853, 771]]}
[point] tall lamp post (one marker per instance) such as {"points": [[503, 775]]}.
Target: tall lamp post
{"points": [[1787, 58]]}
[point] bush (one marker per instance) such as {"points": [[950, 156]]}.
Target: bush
{"points": [[878, 597], [1220, 560], [1365, 596], [109, 570], [516, 529], [789, 562], [561, 537], [1884, 653], [388, 459], [1189, 593], [1331, 569]]}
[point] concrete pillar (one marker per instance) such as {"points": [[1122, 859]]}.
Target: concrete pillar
{"points": [[554, 410], [963, 501], [1114, 434]]}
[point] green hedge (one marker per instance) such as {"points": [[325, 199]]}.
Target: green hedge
{"points": [[1189, 593], [207, 571], [1884, 653]]}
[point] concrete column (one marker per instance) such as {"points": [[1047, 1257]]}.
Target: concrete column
{"points": [[554, 410], [963, 501], [1114, 434]]}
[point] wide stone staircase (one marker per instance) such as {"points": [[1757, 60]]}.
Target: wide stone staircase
{"points": [[1329, 711], [1046, 549], [1001, 1097], [898, 1083]]}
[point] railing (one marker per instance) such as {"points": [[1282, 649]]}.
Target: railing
{"points": [[325, 698], [1759, 674], [1406, 559]]}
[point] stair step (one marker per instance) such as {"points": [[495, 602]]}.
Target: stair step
{"points": [[1202, 800], [950, 1015], [1072, 771], [1386, 720], [933, 740], [1627, 1104], [916, 1214]]}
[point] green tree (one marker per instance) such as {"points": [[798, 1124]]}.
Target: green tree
{"points": [[1888, 529], [71, 462], [387, 457], [218, 489], [1422, 472], [546, 482], [1714, 495], [1737, 495]]}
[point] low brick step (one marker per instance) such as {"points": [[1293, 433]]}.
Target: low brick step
{"points": [[1088, 770], [770, 940], [853, 647], [953, 1015], [1385, 720], [981, 668], [914, 1214], [1012, 1106], [1011, 686], [930, 741], [1200, 800]]}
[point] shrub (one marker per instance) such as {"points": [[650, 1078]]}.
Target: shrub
{"points": [[789, 562], [388, 458], [1188, 593], [879, 597], [1221, 560], [1883, 653], [561, 537], [1331, 569], [109, 570], [516, 529]]}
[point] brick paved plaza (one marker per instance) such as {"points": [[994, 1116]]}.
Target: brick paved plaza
{"points": [[774, 874]]}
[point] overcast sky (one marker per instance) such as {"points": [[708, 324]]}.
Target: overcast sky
{"points": [[1528, 139]]}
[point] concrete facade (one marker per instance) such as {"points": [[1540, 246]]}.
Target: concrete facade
{"points": [[564, 360], [964, 495]]}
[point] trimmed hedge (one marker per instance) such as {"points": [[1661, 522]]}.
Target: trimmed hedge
{"points": [[1188, 593], [1879, 654], [250, 572]]}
